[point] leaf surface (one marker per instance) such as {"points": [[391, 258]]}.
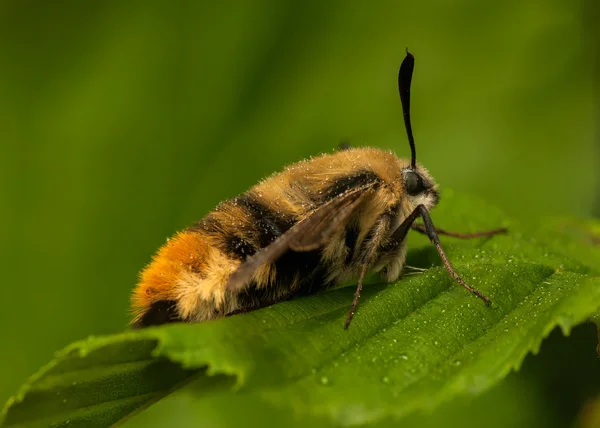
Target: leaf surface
{"points": [[413, 345]]}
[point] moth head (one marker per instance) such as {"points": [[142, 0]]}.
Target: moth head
{"points": [[416, 181], [419, 186]]}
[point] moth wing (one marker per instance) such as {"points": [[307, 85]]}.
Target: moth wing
{"points": [[308, 234], [320, 224]]}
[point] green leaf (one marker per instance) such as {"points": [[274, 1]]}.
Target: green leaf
{"points": [[412, 346]]}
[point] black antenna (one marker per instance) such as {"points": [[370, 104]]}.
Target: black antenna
{"points": [[404, 79]]}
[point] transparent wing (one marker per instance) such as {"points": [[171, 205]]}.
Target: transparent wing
{"points": [[308, 234]]}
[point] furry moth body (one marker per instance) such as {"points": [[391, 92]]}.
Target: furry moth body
{"points": [[320, 222]]}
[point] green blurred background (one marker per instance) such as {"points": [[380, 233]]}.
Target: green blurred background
{"points": [[121, 122]]}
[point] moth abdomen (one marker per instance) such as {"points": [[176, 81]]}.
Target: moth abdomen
{"points": [[241, 229]]}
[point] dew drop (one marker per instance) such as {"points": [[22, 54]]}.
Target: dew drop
{"points": [[385, 379], [324, 380]]}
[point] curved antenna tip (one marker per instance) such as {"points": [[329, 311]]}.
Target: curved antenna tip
{"points": [[404, 81]]}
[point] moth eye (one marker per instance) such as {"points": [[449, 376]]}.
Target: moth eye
{"points": [[413, 183]]}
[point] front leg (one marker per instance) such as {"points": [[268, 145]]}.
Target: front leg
{"points": [[376, 237], [429, 228]]}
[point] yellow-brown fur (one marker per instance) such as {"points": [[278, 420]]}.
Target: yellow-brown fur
{"points": [[191, 270], [320, 222]]}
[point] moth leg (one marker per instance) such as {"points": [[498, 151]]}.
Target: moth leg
{"points": [[400, 234], [421, 229], [367, 260], [414, 268], [363, 271]]}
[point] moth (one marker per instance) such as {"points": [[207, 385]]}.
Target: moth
{"points": [[318, 223]]}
